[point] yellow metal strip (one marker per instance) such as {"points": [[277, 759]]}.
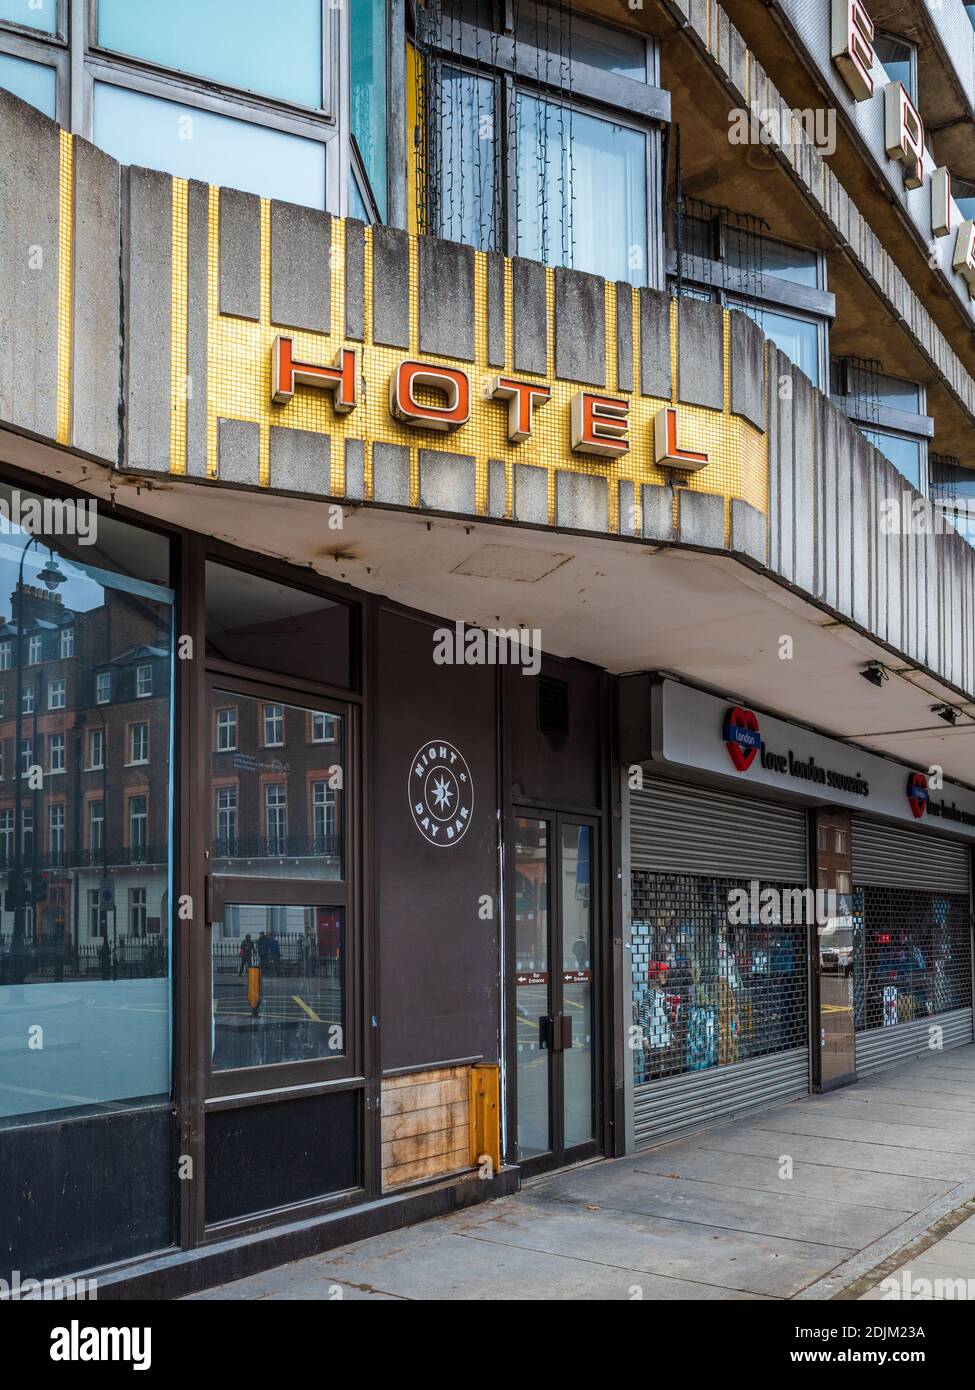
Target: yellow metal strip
{"points": [[65, 286], [264, 456], [214, 360], [178, 328]]}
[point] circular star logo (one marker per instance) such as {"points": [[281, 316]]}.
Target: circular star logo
{"points": [[441, 793]]}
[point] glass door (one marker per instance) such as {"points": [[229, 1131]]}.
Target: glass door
{"points": [[553, 988]]}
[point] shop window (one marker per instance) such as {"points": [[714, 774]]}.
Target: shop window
{"points": [[368, 93], [911, 955], [526, 165], [59, 959], [233, 42], [193, 143], [709, 990], [35, 83], [254, 621]]}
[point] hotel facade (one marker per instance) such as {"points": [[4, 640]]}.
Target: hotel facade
{"points": [[487, 609]]}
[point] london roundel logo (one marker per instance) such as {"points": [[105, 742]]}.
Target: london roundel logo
{"points": [[917, 794], [441, 793], [741, 736]]}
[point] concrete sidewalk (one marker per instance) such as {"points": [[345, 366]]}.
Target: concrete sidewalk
{"points": [[811, 1200]]}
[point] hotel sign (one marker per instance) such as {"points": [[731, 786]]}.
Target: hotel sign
{"points": [[852, 34], [433, 396]]}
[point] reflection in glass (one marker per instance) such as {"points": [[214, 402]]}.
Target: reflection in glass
{"points": [[577, 969], [192, 143], [466, 197], [367, 91], [84, 832], [277, 789], [278, 985], [903, 453], [797, 338], [531, 985], [31, 14]]}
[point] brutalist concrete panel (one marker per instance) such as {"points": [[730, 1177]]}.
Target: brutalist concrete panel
{"points": [[355, 280], [864, 527], [300, 461], [446, 298], [238, 451], [804, 481], [934, 568], [495, 309], [655, 374], [447, 481], [497, 489], [627, 521], [531, 494], [390, 287], [147, 235], [29, 222], [197, 291], [782, 516], [658, 513], [530, 316], [355, 469], [624, 337], [701, 519], [700, 353], [747, 369], [301, 279], [845, 535], [581, 501], [240, 254], [580, 327], [95, 335], [391, 474], [748, 532], [827, 433]]}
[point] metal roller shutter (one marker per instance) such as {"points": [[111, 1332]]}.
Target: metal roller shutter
{"points": [[885, 1047], [676, 828], [676, 1105], [885, 855]]}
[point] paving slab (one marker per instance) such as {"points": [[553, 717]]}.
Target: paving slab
{"points": [[843, 1153]]}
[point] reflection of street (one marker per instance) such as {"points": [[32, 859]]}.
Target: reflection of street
{"points": [[836, 1022], [293, 1020]]}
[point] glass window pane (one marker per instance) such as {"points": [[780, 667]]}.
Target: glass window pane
{"points": [[904, 454], [895, 56], [191, 143], [32, 14], [577, 980], [572, 36], [85, 886], [467, 209], [531, 985], [755, 254], [582, 191], [254, 621], [278, 985], [797, 338], [235, 42], [33, 82], [367, 80], [278, 797]]}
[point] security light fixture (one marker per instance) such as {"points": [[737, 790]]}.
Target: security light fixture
{"points": [[874, 673]]}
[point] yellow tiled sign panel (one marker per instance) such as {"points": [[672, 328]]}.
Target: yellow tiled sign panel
{"points": [[239, 388]]}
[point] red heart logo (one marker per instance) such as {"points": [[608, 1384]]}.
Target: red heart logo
{"points": [[742, 737]]}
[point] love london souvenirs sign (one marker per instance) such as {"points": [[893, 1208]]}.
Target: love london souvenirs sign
{"points": [[694, 729], [429, 396]]}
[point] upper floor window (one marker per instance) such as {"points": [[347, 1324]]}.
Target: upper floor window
{"points": [[323, 727], [273, 726], [236, 43], [899, 60], [541, 143], [57, 694], [368, 102], [226, 729], [103, 687], [35, 83], [67, 642], [35, 646], [138, 743], [32, 14], [143, 682], [5, 653], [889, 412]]}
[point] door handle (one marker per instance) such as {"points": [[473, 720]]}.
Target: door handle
{"points": [[546, 1032], [565, 1030]]}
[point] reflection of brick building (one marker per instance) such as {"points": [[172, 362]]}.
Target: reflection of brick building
{"points": [[95, 731]]}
